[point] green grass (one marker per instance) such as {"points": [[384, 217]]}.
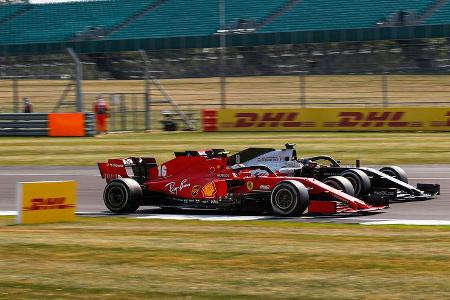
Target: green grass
{"points": [[371, 148], [131, 259]]}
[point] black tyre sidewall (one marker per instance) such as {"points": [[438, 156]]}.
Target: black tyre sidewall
{"points": [[396, 172], [132, 194], [300, 197], [340, 183], [359, 180]]}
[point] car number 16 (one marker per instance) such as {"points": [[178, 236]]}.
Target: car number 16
{"points": [[162, 171]]}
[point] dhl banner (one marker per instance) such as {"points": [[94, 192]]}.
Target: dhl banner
{"points": [[46, 202], [334, 119]]}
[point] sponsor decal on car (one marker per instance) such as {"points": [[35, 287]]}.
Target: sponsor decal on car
{"points": [[331, 173], [209, 190], [174, 188], [128, 162], [195, 190], [269, 158], [115, 165], [264, 187], [250, 185]]}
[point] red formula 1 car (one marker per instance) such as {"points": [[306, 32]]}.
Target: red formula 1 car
{"points": [[203, 179]]}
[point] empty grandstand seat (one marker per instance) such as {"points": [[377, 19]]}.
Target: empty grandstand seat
{"points": [[341, 14], [174, 18], [442, 16], [9, 10], [57, 22]]}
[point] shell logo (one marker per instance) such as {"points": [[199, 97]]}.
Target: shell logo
{"points": [[209, 190]]}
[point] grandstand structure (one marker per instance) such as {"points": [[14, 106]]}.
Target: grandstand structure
{"points": [[182, 39], [157, 24]]}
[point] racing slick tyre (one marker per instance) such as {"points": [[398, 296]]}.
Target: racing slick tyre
{"points": [[396, 172], [122, 195], [340, 183], [289, 198], [359, 180]]}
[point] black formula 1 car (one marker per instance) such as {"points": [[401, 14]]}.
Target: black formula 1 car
{"points": [[368, 183]]}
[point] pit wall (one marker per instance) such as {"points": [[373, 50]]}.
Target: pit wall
{"points": [[328, 119]]}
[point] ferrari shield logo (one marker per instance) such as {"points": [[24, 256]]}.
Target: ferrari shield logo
{"points": [[250, 185], [195, 190]]}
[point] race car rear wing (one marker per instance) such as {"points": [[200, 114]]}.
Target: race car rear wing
{"points": [[113, 169], [117, 168]]}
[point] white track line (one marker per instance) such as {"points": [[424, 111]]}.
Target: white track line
{"points": [[165, 217], [204, 217], [408, 222], [430, 178], [8, 213], [14, 213], [250, 218]]}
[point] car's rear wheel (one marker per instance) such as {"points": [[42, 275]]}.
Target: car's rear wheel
{"points": [[359, 180], [289, 198], [396, 172], [122, 195], [340, 183]]}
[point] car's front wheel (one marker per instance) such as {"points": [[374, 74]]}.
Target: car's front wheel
{"points": [[396, 172], [122, 195], [340, 183], [359, 180], [289, 198]]}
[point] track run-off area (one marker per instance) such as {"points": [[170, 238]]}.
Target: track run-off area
{"points": [[91, 185]]}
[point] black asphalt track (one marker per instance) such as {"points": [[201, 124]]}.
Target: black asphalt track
{"points": [[90, 189]]}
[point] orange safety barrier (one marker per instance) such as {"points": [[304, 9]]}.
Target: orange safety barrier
{"points": [[66, 124]]}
